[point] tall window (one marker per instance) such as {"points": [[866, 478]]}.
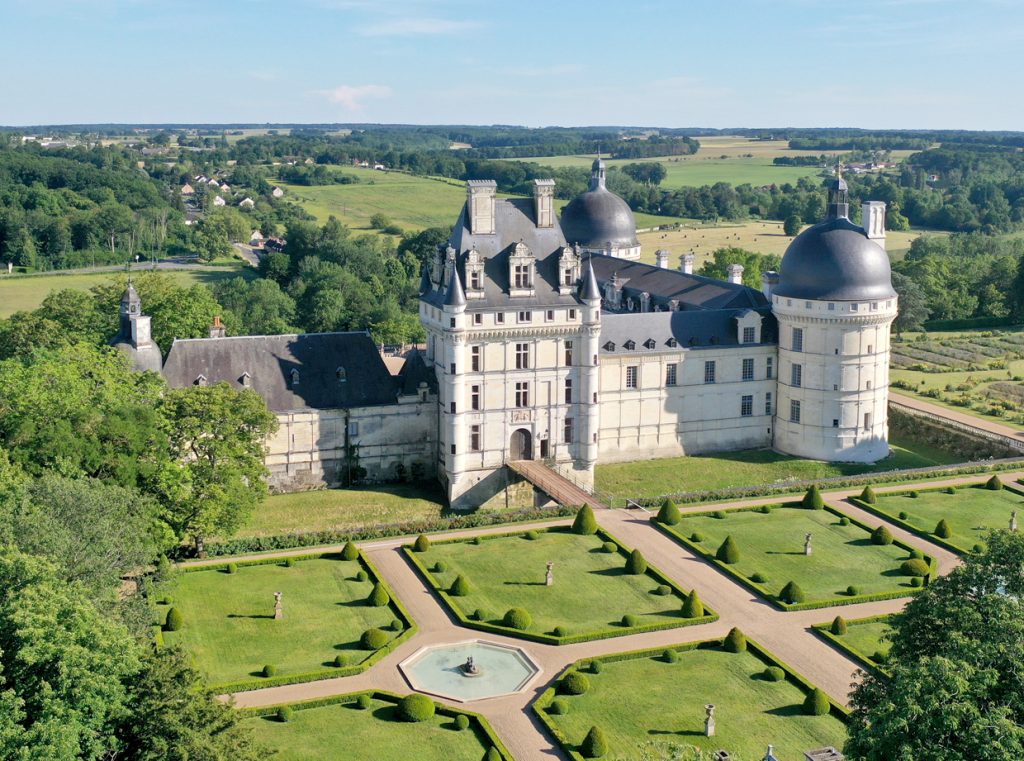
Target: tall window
{"points": [[567, 276], [521, 275], [670, 373], [475, 280], [567, 431], [525, 317], [746, 405], [522, 356], [474, 438], [499, 318], [474, 397], [867, 421], [768, 403], [748, 369], [798, 339], [568, 353], [769, 370], [797, 376], [568, 390], [794, 411], [709, 371], [632, 374], [474, 358], [522, 394], [748, 335]]}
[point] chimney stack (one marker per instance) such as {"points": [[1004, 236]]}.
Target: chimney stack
{"points": [[217, 330], [873, 220], [480, 203], [661, 257], [736, 274], [769, 280], [544, 202], [686, 263]]}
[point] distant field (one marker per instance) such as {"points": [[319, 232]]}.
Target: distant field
{"points": [[27, 292]]}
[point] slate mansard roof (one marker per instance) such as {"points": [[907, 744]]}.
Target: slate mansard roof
{"points": [[653, 332], [335, 370]]}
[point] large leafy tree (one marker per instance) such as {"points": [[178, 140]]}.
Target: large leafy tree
{"points": [[956, 687], [753, 264], [255, 307], [913, 305]]}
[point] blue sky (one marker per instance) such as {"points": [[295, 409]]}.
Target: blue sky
{"points": [[873, 63]]}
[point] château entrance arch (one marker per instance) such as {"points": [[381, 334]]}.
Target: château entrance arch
{"points": [[521, 445]]}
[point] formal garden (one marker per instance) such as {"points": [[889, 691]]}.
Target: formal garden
{"points": [[556, 585], [802, 554], [957, 518], [866, 640], [372, 726], [640, 705], [256, 624]]}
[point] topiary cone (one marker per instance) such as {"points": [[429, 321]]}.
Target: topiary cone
{"points": [[594, 745], [378, 596], [460, 587], [791, 593], [735, 641], [881, 535], [584, 522], [349, 551], [838, 625], [816, 703], [492, 754], [422, 544], [942, 530], [669, 514], [994, 484], [693, 607], [729, 552], [812, 499], [868, 495], [174, 620], [636, 564]]}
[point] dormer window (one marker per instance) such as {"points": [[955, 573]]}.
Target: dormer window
{"points": [[649, 343], [629, 345], [294, 374], [199, 381], [672, 343], [521, 276], [609, 346], [341, 375], [245, 380], [522, 267], [474, 275], [569, 270]]}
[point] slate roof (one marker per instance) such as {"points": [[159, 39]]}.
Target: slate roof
{"points": [[414, 372], [692, 329], [269, 361]]}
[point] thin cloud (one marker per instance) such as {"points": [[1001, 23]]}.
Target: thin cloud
{"points": [[416, 27], [351, 97]]}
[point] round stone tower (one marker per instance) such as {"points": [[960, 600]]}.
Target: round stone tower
{"points": [[834, 304]]}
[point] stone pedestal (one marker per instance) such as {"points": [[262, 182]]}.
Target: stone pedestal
{"points": [[807, 545], [709, 721]]}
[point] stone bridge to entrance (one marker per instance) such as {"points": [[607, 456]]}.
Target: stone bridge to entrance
{"points": [[555, 485]]}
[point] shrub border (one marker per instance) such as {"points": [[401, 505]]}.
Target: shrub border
{"points": [[763, 591], [550, 639], [861, 658], [396, 606], [483, 729], [928, 536], [543, 701]]}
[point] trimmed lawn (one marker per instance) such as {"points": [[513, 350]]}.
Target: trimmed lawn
{"points": [[673, 475], [346, 733], [970, 512], [866, 637], [646, 704], [772, 544], [591, 590], [229, 625], [340, 509]]}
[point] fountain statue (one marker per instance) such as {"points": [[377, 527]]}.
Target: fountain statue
{"points": [[469, 668]]}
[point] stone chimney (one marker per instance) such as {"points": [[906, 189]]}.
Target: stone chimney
{"points": [[217, 330], [873, 220], [686, 263], [736, 274], [544, 202], [661, 257], [769, 281], [480, 204]]}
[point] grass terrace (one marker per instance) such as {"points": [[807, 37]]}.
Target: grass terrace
{"points": [[770, 541], [645, 704], [230, 630], [864, 639], [590, 598]]}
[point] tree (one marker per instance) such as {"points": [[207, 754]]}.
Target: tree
{"points": [[955, 688], [792, 225], [217, 438], [753, 265], [255, 307], [913, 305]]}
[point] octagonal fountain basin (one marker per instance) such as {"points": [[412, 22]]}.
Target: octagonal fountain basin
{"points": [[442, 670]]}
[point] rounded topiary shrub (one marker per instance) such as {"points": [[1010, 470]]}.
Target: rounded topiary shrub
{"points": [[339, 661], [531, 535], [844, 521], [696, 536], [397, 625], [916, 581], [364, 702], [462, 722], [914, 494], [838, 625], [560, 631], [917, 554], [629, 620], [764, 510], [284, 713], [773, 674], [978, 548], [558, 707], [232, 568], [440, 566], [816, 703], [942, 530], [718, 514], [460, 587], [574, 683], [373, 639], [663, 590], [480, 615], [903, 515], [416, 708], [669, 514], [636, 563], [670, 656], [174, 620], [879, 657], [759, 578], [792, 593], [594, 745], [950, 490], [812, 499], [362, 575], [914, 567], [881, 535], [595, 667], [349, 551], [868, 496], [422, 544], [289, 562], [735, 641], [852, 591], [517, 618], [492, 754], [693, 607], [610, 547], [476, 540], [994, 484], [379, 596], [167, 600], [584, 522], [269, 670], [729, 552]]}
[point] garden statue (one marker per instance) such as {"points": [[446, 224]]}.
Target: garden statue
{"points": [[807, 545], [709, 720], [469, 668], [1013, 521], [549, 579], [278, 612]]}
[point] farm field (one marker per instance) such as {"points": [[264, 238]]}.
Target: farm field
{"points": [[344, 731], [646, 705], [673, 475], [772, 544], [230, 630], [970, 511], [27, 292], [339, 509], [591, 590]]}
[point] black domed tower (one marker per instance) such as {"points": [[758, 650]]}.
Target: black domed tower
{"points": [[600, 221]]}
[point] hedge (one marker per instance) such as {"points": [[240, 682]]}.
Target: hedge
{"points": [[470, 620]]}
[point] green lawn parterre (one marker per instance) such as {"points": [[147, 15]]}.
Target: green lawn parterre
{"points": [[971, 511], [230, 631], [590, 595], [772, 543], [864, 638], [341, 731], [643, 703]]}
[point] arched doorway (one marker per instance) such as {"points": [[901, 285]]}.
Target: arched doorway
{"points": [[521, 445]]}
